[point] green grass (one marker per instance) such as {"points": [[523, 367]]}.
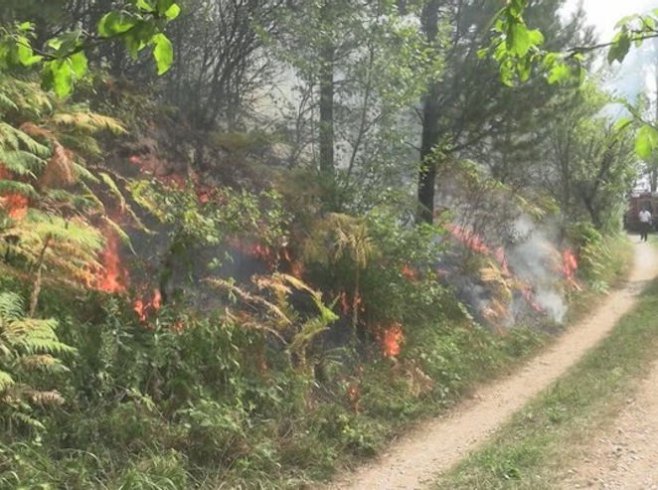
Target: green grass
{"points": [[535, 447]]}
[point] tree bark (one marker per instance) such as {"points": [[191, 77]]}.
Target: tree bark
{"points": [[430, 136], [427, 172]]}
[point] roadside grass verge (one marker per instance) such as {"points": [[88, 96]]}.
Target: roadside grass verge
{"points": [[540, 441]]}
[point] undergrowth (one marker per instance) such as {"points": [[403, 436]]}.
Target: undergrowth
{"points": [[217, 405]]}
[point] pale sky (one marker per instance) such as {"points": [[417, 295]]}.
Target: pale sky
{"points": [[636, 74], [604, 14]]}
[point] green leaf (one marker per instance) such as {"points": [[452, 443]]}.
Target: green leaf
{"points": [[115, 23], [559, 73], [78, 63], [646, 141], [172, 12], [58, 76], [536, 37], [144, 5], [164, 5], [619, 49], [622, 123], [163, 52], [519, 40], [25, 54]]}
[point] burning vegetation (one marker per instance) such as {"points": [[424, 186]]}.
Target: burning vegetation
{"points": [[112, 277]]}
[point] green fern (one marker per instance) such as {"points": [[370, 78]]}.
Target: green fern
{"points": [[26, 345], [57, 231]]}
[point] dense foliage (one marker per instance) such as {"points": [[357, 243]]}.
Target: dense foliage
{"points": [[322, 220]]}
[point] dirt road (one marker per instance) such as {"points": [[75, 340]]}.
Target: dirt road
{"points": [[416, 460], [624, 456]]}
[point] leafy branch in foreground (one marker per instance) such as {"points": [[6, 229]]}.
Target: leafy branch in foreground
{"points": [[518, 51], [137, 23]]}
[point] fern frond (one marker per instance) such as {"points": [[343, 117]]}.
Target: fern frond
{"points": [[11, 307], [120, 233], [13, 187], [6, 381], [114, 189], [14, 138], [27, 420], [45, 398], [35, 362], [85, 174], [59, 171], [88, 122], [81, 143], [6, 104], [21, 162]]}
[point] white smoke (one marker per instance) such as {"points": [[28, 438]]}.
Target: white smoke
{"points": [[535, 259]]}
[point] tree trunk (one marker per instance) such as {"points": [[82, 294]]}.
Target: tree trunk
{"points": [[427, 172], [327, 110], [327, 53], [430, 137]]}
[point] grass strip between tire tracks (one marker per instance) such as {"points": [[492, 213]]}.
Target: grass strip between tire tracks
{"points": [[535, 447]]}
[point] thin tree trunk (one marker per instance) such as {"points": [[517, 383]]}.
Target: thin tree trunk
{"points": [[430, 136], [36, 284], [327, 111], [427, 173]]}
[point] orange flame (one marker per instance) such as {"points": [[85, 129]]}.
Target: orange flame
{"points": [[569, 263], [353, 393], [528, 295], [569, 268], [254, 250], [178, 326], [296, 266], [144, 308], [409, 273], [471, 240], [501, 258], [391, 339], [113, 277], [13, 203]]}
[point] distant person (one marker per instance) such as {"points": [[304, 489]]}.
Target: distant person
{"points": [[645, 224]]}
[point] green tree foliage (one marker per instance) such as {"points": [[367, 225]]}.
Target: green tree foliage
{"points": [[358, 67], [518, 50], [465, 115], [138, 24]]}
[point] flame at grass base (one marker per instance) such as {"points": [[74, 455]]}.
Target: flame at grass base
{"points": [[144, 308], [391, 339]]}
